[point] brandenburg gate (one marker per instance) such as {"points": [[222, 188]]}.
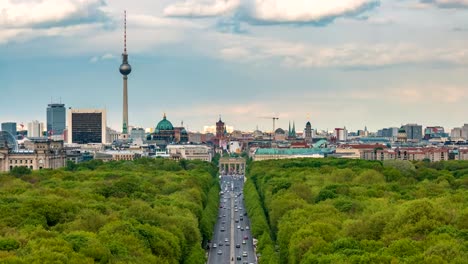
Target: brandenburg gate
{"points": [[232, 166]]}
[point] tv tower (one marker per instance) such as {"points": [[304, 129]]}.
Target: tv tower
{"points": [[125, 70]]}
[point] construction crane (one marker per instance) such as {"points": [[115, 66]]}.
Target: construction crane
{"points": [[274, 118]]}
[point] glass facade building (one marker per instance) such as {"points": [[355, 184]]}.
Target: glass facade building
{"points": [[9, 127], [86, 126], [56, 119]]}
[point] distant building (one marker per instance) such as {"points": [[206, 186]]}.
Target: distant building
{"points": [[413, 154], [221, 133], [9, 127], [308, 132], [42, 153], [277, 153], [56, 119], [413, 132], [341, 134], [432, 132], [402, 137], [35, 129], [280, 134], [115, 155], [137, 134], [464, 131], [456, 133], [112, 135], [391, 132], [190, 152], [87, 126]]}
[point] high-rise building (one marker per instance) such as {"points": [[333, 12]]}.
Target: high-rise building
{"points": [[341, 134], [308, 131], [86, 126], [9, 127], [456, 133], [35, 129], [125, 70], [414, 132], [56, 119], [464, 131]]}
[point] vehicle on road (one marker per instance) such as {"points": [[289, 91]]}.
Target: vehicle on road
{"points": [[244, 254], [220, 252], [244, 242], [239, 258], [226, 240], [227, 244], [237, 246], [214, 245], [238, 227], [247, 228], [246, 237]]}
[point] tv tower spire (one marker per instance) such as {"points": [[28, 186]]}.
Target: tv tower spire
{"points": [[125, 70]]}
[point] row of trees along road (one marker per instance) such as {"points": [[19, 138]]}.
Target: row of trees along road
{"points": [[145, 211], [354, 211]]}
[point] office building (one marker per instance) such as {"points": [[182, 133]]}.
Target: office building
{"points": [[456, 133], [464, 131], [56, 119], [9, 127], [341, 134], [414, 132], [35, 129], [190, 152], [87, 126]]}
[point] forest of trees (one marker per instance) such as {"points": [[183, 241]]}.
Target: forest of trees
{"points": [[144, 211], [354, 211]]}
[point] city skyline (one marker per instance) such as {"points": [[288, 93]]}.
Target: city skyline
{"points": [[351, 63]]}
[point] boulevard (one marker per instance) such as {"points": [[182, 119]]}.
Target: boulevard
{"points": [[232, 240]]}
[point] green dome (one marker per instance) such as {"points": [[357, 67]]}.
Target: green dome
{"points": [[164, 125]]}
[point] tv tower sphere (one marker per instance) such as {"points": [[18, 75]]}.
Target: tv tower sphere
{"points": [[125, 68]]}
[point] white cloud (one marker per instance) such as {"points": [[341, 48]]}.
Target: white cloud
{"points": [[447, 3], [270, 11], [245, 49], [32, 12], [201, 8], [304, 11]]}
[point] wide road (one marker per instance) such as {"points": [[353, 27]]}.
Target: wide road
{"points": [[232, 226]]}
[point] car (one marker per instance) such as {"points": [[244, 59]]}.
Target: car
{"points": [[236, 210], [244, 242], [246, 237], [247, 228], [237, 220], [241, 218], [220, 243], [239, 258], [238, 227], [227, 244], [242, 229], [214, 245], [226, 240], [223, 222], [224, 215], [245, 214], [244, 254], [222, 229], [220, 252], [237, 246]]}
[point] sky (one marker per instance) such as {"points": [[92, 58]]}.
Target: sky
{"points": [[335, 63]]}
